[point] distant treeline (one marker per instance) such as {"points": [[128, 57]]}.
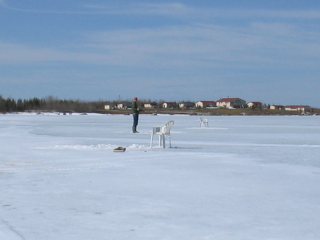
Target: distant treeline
{"points": [[48, 104]]}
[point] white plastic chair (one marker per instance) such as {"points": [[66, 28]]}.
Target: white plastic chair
{"points": [[162, 131], [204, 122]]}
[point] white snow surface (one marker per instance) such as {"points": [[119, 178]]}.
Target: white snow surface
{"points": [[243, 178]]}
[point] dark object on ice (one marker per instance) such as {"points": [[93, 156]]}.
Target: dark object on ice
{"points": [[119, 149]]}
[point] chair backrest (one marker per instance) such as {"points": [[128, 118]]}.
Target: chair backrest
{"points": [[164, 129], [203, 120], [167, 127]]}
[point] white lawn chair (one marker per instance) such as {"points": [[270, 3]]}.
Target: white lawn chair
{"points": [[162, 131], [204, 122]]}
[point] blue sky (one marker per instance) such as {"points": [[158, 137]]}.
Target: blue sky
{"points": [[266, 51]]}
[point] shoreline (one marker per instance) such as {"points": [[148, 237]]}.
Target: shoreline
{"points": [[195, 112], [216, 112]]}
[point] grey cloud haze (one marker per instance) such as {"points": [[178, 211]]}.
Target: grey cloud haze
{"points": [[242, 51]]}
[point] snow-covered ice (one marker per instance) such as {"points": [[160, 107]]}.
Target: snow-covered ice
{"points": [[242, 178]]}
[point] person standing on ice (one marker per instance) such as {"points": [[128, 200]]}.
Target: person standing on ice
{"points": [[135, 111]]}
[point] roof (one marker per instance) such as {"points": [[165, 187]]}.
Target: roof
{"points": [[227, 99], [256, 102], [297, 106], [207, 101]]}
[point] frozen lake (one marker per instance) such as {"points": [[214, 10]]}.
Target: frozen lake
{"points": [[243, 177]]}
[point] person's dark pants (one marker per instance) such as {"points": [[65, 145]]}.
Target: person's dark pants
{"points": [[135, 121]]}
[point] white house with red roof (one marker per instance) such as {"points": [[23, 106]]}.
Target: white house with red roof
{"points": [[276, 107], [231, 103], [255, 104]]}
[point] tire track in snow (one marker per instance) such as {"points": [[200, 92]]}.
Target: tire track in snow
{"points": [[12, 234]]}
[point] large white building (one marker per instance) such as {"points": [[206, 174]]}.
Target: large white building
{"points": [[302, 108]]}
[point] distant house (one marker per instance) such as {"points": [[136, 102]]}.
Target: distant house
{"points": [[277, 107], [109, 106], [124, 105], [302, 108], [231, 103], [206, 104], [255, 105], [186, 105], [150, 105], [169, 105]]}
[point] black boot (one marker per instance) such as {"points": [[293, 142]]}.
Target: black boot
{"points": [[134, 130]]}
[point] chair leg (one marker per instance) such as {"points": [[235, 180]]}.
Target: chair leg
{"points": [[151, 141], [160, 140]]}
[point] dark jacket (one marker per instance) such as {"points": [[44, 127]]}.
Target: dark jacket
{"points": [[135, 107]]}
